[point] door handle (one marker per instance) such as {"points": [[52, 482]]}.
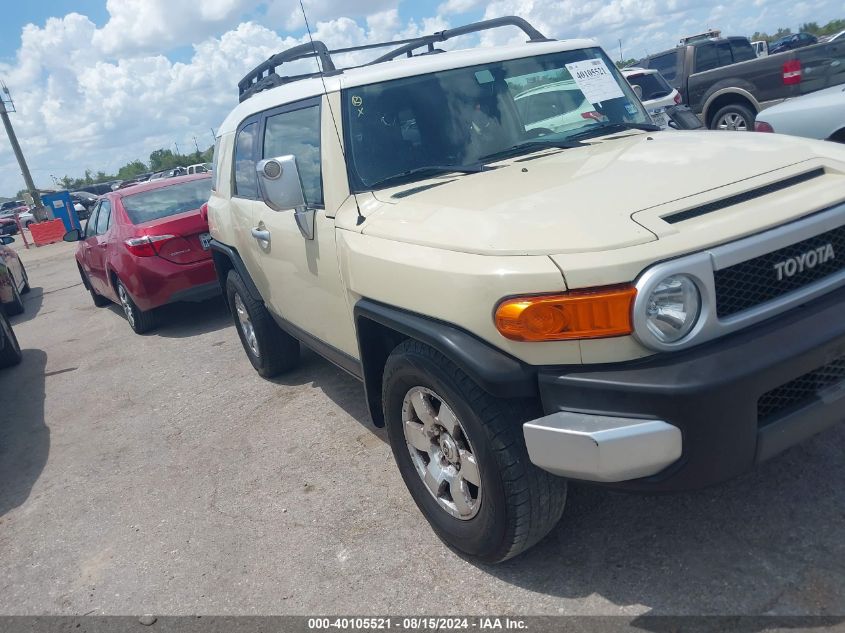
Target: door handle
{"points": [[263, 236]]}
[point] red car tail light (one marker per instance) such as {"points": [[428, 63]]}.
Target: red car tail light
{"points": [[678, 98], [762, 126], [792, 72], [145, 246]]}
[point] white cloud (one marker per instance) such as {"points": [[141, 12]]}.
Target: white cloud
{"points": [[97, 98]]}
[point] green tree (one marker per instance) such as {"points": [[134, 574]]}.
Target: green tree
{"points": [[782, 32], [130, 170], [620, 64]]}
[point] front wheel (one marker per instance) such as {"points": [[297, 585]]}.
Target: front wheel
{"points": [[463, 457], [15, 306], [11, 352], [734, 118]]}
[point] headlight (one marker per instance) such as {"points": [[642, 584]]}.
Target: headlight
{"points": [[673, 308]]}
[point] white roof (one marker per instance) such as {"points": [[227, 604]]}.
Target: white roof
{"points": [[396, 69]]}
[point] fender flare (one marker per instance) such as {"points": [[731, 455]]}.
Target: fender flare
{"points": [[495, 371], [218, 249], [705, 111]]}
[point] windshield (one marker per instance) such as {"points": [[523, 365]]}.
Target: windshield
{"points": [[159, 203], [457, 117]]}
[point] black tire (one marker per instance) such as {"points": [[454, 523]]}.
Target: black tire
{"points": [[276, 350], [11, 352], [734, 112], [29, 223], [26, 287], [519, 503], [140, 321], [99, 300], [15, 306]]}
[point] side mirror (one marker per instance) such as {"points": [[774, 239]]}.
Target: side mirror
{"points": [[281, 188], [638, 90], [74, 235], [6, 240]]}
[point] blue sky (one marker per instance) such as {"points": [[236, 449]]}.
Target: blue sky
{"points": [[98, 84]]}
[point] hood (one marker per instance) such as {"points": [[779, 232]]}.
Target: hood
{"points": [[574, 200]]}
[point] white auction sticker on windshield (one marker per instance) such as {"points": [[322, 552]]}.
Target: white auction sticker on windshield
{"points": [[595, 80]]}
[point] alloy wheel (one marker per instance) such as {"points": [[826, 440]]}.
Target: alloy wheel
{"points": [[733, 122], [127, 304], [246, 325], [441, 453]]}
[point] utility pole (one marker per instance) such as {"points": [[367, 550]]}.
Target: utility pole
{"points": [[6, 106], [197, 145], [177, 147]]}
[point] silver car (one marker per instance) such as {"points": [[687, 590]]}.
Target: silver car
{"points": [[818, 115]]}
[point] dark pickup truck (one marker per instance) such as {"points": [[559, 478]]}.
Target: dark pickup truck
{"points": [[726, 84]]}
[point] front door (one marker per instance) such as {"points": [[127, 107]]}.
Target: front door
{"points": [[301, 277], [97, 245]]}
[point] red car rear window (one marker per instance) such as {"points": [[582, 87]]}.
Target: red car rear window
{"points": [[160, 203]]}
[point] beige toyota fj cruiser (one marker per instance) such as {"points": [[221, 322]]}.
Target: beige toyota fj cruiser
{"points": [[533, 283]]}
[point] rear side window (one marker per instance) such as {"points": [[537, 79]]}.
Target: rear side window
{"points": [[104, 217], [160, 203], [706, 58], [652, 85], [298, 132], [742, 50], [246, 180], [667, 65]]}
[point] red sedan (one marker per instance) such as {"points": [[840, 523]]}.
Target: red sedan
{"points": [[146, 246]]}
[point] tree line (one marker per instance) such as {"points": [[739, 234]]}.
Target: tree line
{"points": [[831, 28], [160, 160]]}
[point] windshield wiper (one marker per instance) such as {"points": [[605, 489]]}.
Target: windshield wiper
{"points": [[530, 146], [408, 176], [608, 128]]}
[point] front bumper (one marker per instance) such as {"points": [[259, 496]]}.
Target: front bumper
{"points": [[705, 401]]}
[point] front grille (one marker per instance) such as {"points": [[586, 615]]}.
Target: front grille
{"points": [[800, 391], [750, 283]]}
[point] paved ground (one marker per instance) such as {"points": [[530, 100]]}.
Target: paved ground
{"points": [[160, 474]]}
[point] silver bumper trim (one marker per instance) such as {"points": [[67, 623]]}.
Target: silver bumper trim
{"points": [[601, 448]]}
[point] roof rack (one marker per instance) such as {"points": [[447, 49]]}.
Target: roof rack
{"points": [[264, 76]]}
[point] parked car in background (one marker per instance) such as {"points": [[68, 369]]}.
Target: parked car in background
{"points": [[8, 224], [654, 91], [818, 115], [98, 190], [13, 278], [761, 48], [10, 349], [725, 83], [553, 107], [147, 246], [791, 42], [13, 206], [199, 168], [82, 203]]}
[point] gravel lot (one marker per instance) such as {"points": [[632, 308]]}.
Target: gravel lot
{"points": [[160, 474]]}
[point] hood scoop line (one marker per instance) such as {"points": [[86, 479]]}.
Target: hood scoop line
{"points": [[730, 201]]}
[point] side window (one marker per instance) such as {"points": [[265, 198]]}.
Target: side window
{"points": [[667, 65], [298, 132], [725, 56], [742, 51], [91, 225], [246, 180], [104, 217], [215, 160], [706, 58]]}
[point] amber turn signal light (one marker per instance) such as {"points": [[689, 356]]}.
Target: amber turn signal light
{"points": [[599, 313]]}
